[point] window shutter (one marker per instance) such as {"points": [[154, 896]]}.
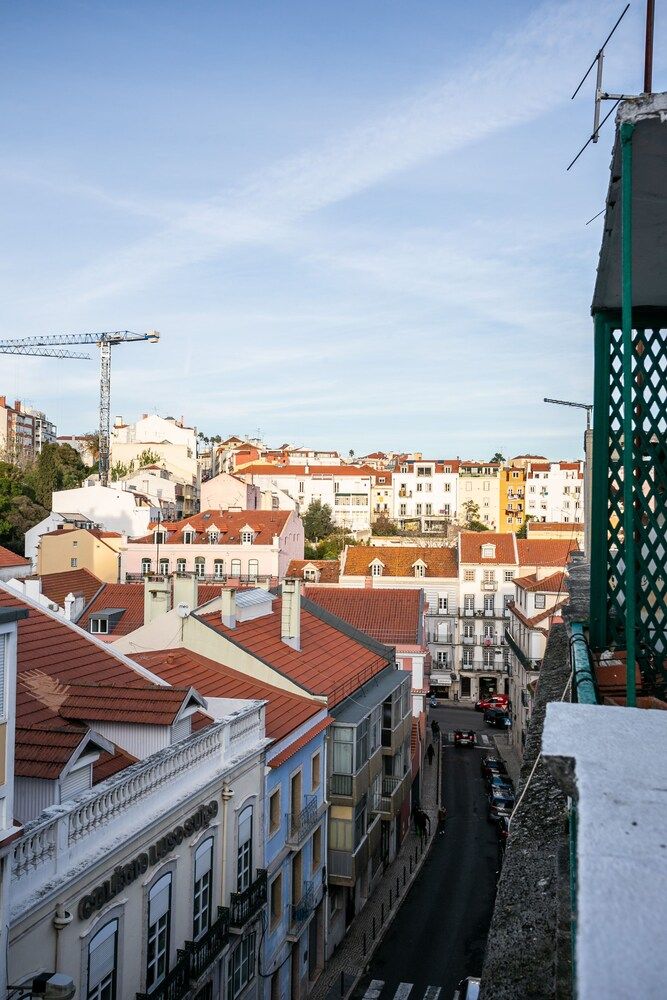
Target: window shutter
{"points": [[102, 954], [75, 782], [3, 649], [159, 899]]}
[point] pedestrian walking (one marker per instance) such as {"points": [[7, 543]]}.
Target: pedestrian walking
{"points": [[430, 753], [442, 816], [434, 728]]}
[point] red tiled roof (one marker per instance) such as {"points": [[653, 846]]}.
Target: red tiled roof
{"points": [[8, 559], [549, 584], [471, 547], [545, 551], [329, 569], [329, 662], [399, 560], [154, 705], [540, 616], [266, 469], [56, 586], [572, 527], [391, 616], [110, 764], [299, 744], [229, 523], [130, 596], [284, 713]]}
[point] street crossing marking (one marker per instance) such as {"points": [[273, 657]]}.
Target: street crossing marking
{"points": [[481, 739], [403, 991], [374, 989], [432, 993]]}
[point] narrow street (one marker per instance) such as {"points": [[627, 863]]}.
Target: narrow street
{"points": [[439, 934]]}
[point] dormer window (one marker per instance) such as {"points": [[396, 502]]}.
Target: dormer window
{"points": [[213, 536], [488, 552], [310, 573], [188, 536], [160, 537], [420, 568], [247, 536], [99, 626], [376, 568]]}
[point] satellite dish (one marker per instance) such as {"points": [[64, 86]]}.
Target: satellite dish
{"points": [[183, 610]]}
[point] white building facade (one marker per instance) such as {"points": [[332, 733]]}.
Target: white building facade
{"points": [[555, 492], [425, 495], [346, 489]]}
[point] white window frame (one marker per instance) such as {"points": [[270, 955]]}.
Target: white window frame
{"points": [[99, 622], [540, 602], [202, 889], [146, 566], [244, 848], [241, 966], [105, 988], [158, 935], [181, 565]]}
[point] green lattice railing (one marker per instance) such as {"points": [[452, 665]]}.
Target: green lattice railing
{"points": [[648, 540]]}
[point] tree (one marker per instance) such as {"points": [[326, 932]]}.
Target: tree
{"points": [[119, 470], [58, 467], [384, 526], [472, 521], [351, 453], [523, 530], [498, 457], [92, 440], [18, 508], [146, 457], [317, 521]]}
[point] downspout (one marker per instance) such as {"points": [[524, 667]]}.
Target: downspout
{"points": [[627, 129], [227, 795]]}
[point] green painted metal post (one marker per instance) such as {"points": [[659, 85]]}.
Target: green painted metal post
{"points": [[599, 528], [628, 436]]}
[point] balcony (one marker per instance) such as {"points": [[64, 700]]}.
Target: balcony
{"points": [[469, 640], [300, 824], [467, 612], [388, 801], [222, 579], [301, 912], [392, 739], [489, 584], [207, 948], [175, 985], [245, 905], [405, 493]]}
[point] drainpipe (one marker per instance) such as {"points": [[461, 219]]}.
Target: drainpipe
{"points": [[628, 443], [62, 919], [227, 794]]}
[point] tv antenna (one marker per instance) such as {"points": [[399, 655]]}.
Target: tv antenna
{"points": [[602, 95]]}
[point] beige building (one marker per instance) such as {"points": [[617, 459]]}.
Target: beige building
{"points": [[81, 548], [479, 483], [174, 444], [17, 431]]}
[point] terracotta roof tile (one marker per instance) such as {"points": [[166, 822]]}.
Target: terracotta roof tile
{"points": [[8, 559], [266, 469], [399, 560], [392, 616], [300, 743], [549, 585], [571, 526], [56, 586], [285, 711], [130, 597], [329, 569], [265, 524], [545, 551], [154, 705], [471, 543]]}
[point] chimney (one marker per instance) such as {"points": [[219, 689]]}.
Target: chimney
{"points": [[157, 599], [290, 621], [186, 590], [228, 607]]}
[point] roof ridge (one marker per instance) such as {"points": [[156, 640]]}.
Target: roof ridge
{"points": [[373, 645]]}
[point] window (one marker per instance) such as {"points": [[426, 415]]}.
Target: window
{"points": [[488, 632], [376, 569], [296, 794], [403, 509], [236, 567], [429, 508], [340, 833], [469, 575], [342, 750], [180, 565], [241, 966], [159, 919], [362, 744], [315, 771], [488, 551], [488, 655], [253, 570], [419, 487], [160, 537], [276, 898], [310, 574], [419, 508], [420, 569], [244, 851], [489, 576], [469, 602], [448, 487], [247, 537], [468, 631], [213, 537], [540, 601], [489, 603], [201, 917], [74, 563], [200, 566], [274, 812], [374, 729], [102, 963], [188, 537], [509, 575], [99, 626], [218, 568], [317, 849], [163, 567], [467, 657], [145, 567], [360, 821], [441, 657], [443, 603]]}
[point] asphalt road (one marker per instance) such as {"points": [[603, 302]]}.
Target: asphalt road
{"points": [[439, 934]]}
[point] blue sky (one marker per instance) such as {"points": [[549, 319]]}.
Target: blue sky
{"points": [[350, 221]]}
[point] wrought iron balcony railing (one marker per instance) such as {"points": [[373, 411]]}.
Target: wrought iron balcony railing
{"points": [[192, 961], [175, 985], [300, 824], [301, 911], [244, 905]]}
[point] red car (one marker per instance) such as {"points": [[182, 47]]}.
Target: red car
{"points": [[464, 737], [493, 701]]}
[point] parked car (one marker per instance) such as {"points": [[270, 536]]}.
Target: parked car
{"points": [[464, 737], [492, 701], [468, 989], [503, 827], [499, 781], [498, 717], [493, 765], [500, 803]]}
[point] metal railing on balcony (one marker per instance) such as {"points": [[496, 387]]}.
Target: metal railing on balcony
{"points": [[175, 985], [467, 612], [207, 948], [301, 911], [301, 823], [224, 578], [244, 905], [489, 584]]}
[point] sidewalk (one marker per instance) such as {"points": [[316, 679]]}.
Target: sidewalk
{"points": [[511, 757], [354, 952]]}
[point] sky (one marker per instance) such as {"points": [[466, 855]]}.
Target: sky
{"points": [[350, 221]]}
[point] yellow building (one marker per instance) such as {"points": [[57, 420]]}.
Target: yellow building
{"points": [[81, 548], [512, 512]]}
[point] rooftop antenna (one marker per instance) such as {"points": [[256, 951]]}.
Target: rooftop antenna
{"points": [[600, 94], [579, 406]]}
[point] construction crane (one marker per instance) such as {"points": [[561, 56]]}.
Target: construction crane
{"points": [[588, 407], [47, 347]]}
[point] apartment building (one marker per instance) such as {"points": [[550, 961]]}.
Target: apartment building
{"points": [[45, 429], [425, 494], [538, 599], [555, 492], [141, 861], [17, 431], [69, 547], [345, 488], [512, 513], [244, 545], [479, 487], [171, 440], [295, 645], [382, 496], [228, 492]]}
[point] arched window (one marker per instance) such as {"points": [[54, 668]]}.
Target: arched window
{"points": [[159, 927], [201, 917], [102, 963], [218, 568], [244, 853], [236, 567], [163, 567], [180, 565], [200, 566], [253, 570], [145, 567]]}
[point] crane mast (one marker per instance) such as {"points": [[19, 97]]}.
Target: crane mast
{"points": [[52, 347]]}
